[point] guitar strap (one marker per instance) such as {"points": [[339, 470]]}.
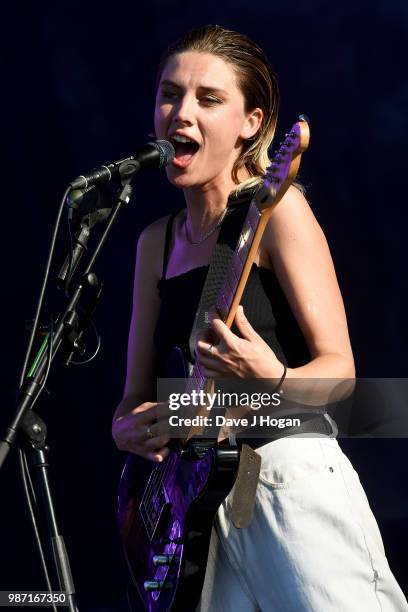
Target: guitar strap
{"points": [[238, 206], [243, 501]]}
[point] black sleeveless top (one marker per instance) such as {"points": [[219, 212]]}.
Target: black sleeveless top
{"points": [[264, 302]]}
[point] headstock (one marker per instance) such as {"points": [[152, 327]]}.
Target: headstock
{"points": [[284, 165]]}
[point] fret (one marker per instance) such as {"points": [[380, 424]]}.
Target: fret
{"points": [[229, 288], [223, 311], [240, 257], [247, 234], [254, 215], [241, 248], [224, 304], [235, 269]]}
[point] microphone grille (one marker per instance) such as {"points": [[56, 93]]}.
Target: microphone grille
{"points": [[165, 150]]}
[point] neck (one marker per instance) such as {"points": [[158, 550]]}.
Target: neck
{"points": [[206, 203]]}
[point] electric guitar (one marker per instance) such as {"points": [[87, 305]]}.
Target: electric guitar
{"points": [[166, 510]]}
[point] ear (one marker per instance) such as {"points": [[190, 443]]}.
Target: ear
{"points": [[252, 123]]}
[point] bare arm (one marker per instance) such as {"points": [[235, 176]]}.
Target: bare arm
{"points": [[301, 259], [138, 410]]}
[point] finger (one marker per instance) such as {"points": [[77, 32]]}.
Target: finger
{"points": [[207, 360], [159, 455], [148, 416], [145, 407], [206, 348], [244, 325], [156, 443], [204, 335], [154, 449], [211, 373], [223, 332], [159, 427], [210, 365], [161, 412], [125, 431]]}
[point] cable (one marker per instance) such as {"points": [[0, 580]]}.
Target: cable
{"points": [[28, 486], [71, 252], [96, 351], [43, 287], [25, 472], [31, 500]]}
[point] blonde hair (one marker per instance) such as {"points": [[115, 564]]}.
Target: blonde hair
{"points": [[256, 80]]}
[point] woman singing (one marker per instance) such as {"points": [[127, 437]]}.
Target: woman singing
{"points": [[313, 544]]}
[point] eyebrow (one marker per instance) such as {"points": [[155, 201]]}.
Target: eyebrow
{"points": [[168, 82]]}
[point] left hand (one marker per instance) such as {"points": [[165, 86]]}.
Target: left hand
{"points": [[232, 356]]}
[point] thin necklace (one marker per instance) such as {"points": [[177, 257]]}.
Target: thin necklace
{"points": [[208, 234]]}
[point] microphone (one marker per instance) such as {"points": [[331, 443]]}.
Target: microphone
{"points": [[151, 155]]}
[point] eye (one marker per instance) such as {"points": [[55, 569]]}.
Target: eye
{"points": [[210, 100], [169, 95]]}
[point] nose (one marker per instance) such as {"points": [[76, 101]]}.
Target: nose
{"points": [[184, 111]]}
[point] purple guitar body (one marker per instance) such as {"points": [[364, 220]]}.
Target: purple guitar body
{"points": [[165, 522]]}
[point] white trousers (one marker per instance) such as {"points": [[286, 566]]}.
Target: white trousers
{"points": [[313, 544]]}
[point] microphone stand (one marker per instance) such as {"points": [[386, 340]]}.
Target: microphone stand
{"points": [[68, 332]]}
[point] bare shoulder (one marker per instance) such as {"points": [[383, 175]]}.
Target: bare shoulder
{"points": [[293, 239], [150, 246], [292, 217], [155, 229], [145, 310], [292, 224], [300, 256]]}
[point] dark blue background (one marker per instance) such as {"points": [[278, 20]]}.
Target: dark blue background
{"points": [[78, 90]]}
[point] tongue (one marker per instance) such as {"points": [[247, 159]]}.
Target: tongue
{"points": [[185, 151]]}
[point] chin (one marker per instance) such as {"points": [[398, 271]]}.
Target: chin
{"points": [[180, 179]]}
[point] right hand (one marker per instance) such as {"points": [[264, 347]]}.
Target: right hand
{"points": [[131, 432]]}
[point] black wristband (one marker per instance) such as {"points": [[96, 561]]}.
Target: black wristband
{"points": [[285, 369]]}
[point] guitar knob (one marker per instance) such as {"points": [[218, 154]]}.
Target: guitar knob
{"points": [[157, 585], [165, 560]]}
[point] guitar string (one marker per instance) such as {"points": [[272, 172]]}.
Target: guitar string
{"points": [[157, 479], [149, 502], [162, 471]]}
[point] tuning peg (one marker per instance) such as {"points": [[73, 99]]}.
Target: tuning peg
{"points": [[157, 585], [165, 559]]}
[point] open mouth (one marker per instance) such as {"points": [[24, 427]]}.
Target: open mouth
{"points": [[185, 149]]}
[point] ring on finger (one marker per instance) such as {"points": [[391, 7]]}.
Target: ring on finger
{"points": [[210, 348], [149, 433]]}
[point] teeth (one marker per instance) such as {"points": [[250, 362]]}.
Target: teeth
{"points": [[178, 138]]}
